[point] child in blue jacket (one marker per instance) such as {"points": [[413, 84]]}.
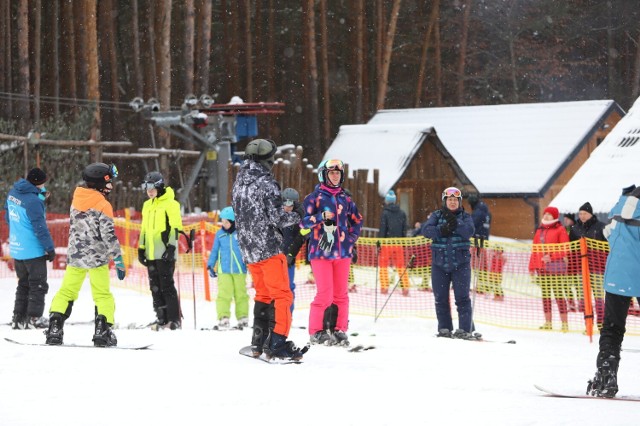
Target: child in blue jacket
{"points": [[231, 272]]}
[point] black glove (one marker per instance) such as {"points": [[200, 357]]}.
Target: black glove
{"points": [[50, 255], [451, 219], [142, 258], [445, 230], [169, 254], [354, 255], [291, 259], [212, 272], [297, 207]]}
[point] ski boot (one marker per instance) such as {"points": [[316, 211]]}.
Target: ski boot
{"points": [[19, 322], [257, 341], [445, 332], [243, 322], [320, 338], [277, 346], [465, 335], [605, 382], [339, 338], [103, 335], [55, 333], [38, 322]]}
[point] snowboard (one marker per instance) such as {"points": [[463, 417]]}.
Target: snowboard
{"points": [[73, 345], [479, 339], [246, 351], [217, 328], [580, 395]]}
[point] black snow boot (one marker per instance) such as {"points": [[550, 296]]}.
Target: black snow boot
{"points": [[277, 346], [19, 322], [103, 335], [55, 333], [605, 382]]}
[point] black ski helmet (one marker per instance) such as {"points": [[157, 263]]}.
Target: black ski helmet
{"points": [[98, 175], [262, 151], [154, 178]]}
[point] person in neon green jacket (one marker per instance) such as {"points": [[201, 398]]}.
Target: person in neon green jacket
{"points": [[231, 272], [159, 232]]}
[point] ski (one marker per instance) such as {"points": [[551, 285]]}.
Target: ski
{"points": [[478, 339], [73, 345], [247, 351], [631, 350], [217, 328], [553, 394], [361, 348]]}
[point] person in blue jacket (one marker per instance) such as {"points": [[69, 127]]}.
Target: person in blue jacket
{"points": [[30, 245], [621, 285], [450, 229], [231, 272]]}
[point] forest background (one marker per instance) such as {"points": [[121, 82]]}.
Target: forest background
{"points": [[69, 68]]}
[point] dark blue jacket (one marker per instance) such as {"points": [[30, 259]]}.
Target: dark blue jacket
{"points": [[450, 252], [29, 237], [481, 220], [393, 223]]}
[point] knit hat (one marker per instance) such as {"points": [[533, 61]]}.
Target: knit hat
{"points": [[570, 216], [553, 211], [586, 207], [36, 176], [390, 198]]}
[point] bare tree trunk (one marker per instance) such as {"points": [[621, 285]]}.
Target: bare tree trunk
{"points": [[326, 94], [386, 60], [204, 47], [422, 72], [69, 39], [163, 20], [438, 64], [37, 59], [151, 74], [93, 73], [271, 65], [81, 44], [187, 46], [23, 112], [8, 86], [135, 42], [463, 50], [314, 126], [248, 53], [55, 53], [611, 47], [635, 83], [359, 58], [235, 52]]}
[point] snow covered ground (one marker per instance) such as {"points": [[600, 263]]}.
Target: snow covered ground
{"points": [[194, 377]]}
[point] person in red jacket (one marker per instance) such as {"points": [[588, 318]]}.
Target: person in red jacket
{"points": [[548, 263]]}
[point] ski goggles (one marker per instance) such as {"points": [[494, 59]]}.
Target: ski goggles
{"points": [[451, 192], [150, 185], [334, 165], [287, 203], [114, 170]]}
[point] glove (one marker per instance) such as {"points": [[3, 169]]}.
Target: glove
{"points": [[50, 255], [120, 269], [445, 230], [354, 256], [142, 258], [169, 254], [212, 272], [291, 259], [326, 241], [450, 218]]}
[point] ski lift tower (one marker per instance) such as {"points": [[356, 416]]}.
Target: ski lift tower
{"points": [[213, 128]]}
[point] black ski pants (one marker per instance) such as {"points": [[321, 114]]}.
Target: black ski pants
{"points": [[616, 309], [163, 290], [32, 287]]}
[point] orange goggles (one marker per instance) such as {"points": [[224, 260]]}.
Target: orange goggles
{"points": [[451, 192]]}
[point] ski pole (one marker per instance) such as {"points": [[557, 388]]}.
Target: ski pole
{"points": [[409, 266], [375, 291], [192, 236], [478, 262]]}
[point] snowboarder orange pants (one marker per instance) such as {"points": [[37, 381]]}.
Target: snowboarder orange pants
{"points": [[271, 281]]}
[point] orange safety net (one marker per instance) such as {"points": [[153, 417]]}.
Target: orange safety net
{"points": [[508, 287]]}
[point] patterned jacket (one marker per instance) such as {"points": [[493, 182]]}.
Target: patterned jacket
{"points": [[450, 252], [257, 204], [161, 222], [348, 223], [29, 237], [92, 235]]}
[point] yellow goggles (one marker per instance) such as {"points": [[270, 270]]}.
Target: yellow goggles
{"points": [[334, 165]]}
